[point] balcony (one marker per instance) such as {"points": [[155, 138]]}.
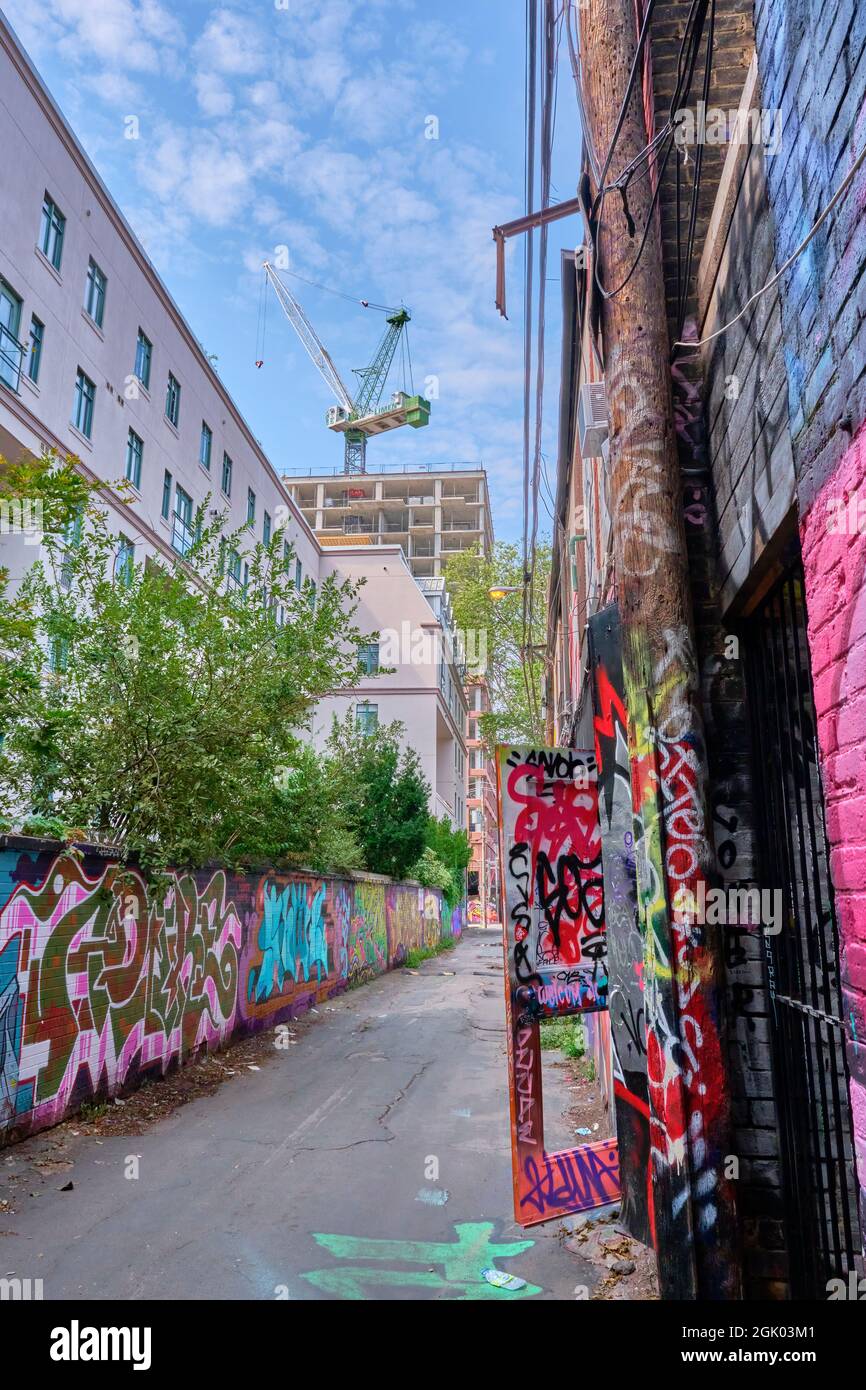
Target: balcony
{"points": [[11, 359]]}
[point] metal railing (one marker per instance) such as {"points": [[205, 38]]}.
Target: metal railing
{"points": [[387, 468]]}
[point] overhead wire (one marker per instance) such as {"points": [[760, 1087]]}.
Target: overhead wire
{"points": [[774, 280]]}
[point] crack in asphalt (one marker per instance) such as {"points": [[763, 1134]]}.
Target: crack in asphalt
{"points": [[387, 1138]]}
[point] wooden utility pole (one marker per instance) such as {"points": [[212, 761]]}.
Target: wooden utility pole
{"points": [[693, 1204]]}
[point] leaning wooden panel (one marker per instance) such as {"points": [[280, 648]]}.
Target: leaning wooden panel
{"points": [[555, 959]]}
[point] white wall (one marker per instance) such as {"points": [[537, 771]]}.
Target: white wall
{"points": [[390, 600], [40, 154]]}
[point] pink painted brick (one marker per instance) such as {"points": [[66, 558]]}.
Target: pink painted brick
{"points": [[851, 911], [851, 726], [858, 1108], [854, 963], [846, 820], [848, 867]]}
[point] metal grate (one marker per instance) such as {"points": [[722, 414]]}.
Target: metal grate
{"points": [[807, 1026]]}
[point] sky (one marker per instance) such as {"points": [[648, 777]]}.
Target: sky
{"points": [[305, 124]]}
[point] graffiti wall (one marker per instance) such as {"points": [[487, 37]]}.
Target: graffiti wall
{"points": [[555, 960], [102, 986]]}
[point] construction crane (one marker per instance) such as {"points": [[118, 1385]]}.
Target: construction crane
{"points": [[356, 419]]}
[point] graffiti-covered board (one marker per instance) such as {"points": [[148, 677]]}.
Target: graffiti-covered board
{"points": [[554, 892], [555, 960], [628, 1035]]}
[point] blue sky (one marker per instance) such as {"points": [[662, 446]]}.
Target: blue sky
{"points": [[301, 123]]}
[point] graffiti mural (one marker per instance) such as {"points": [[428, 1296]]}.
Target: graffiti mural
{"points": [[625, 943], [555, 959], [554, 896], [110, 990], [102, 986], [368, 935]]}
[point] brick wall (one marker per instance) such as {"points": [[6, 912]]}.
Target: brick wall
{"points": [[812, 60], [833, 537], [102, 986]]}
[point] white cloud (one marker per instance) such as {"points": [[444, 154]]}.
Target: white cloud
{"points": [[231, 44], [214, 97], [127, 34]]}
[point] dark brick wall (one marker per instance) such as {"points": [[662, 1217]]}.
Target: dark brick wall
{"points": [[812, 62], [698, 383]]}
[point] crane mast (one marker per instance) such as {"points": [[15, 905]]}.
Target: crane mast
{"points": [[362, 416]]}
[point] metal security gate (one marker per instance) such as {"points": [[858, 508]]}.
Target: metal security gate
{"points": [[807, 1025]]}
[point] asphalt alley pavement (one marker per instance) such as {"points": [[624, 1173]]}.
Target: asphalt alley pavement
{"points": [[371, 1160]]}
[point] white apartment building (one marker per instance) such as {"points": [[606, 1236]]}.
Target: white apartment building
{"points": [[423, 685], [96, 360]]}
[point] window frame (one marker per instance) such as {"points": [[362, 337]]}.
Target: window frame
{"points": [[172, 400], [95, 287], [52, 220], [228, 468], [135, 456], [142, 341], [34, 352], [365, 708], [206, 434], [84, 427]]}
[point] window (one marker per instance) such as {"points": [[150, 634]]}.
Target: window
{"points": [[143, 355], [266, 528], [368, 657], [94, 292], [10, 348], [366, 717], [71, 539], [474, 818], [37, 333], [181, 531], [287, 555], [204, 446], [172, 400], [251, 506], [82, 406], [227, 475], [51, 232], [134, 451], [234, 570], [58, 654], [299, 574], [166, 494], [124, 560]]}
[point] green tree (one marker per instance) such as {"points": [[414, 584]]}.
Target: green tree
{"points": [[384, 793], [157, 702], [449, 848], [514, 662]]}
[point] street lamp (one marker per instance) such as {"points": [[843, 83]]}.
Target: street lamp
{"points": [[498, 591]]}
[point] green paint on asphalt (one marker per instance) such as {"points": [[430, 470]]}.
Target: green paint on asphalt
{"points": [[462, 1262]]}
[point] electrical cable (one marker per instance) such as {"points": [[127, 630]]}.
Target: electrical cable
{"points": [[840, 191]]}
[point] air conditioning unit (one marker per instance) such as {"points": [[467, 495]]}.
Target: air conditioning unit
{"points": [[592, 418]]}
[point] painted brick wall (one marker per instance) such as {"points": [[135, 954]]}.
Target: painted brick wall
{"points": [[833, 537], [101, 988], [812, 61]]}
